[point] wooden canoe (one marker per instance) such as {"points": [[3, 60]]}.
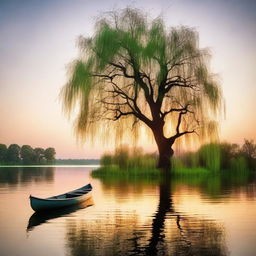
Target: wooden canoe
{"points": [[40, 217], [67, 199]]}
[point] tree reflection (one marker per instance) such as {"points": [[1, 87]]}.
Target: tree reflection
{"points": [[24, 175], [211, 185], [165, 206], [166, 233]]}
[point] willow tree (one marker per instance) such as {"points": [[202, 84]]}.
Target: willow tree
{"points": [[132, 73]]}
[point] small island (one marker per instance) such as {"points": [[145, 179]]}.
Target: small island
{"points": [[209, 159]]}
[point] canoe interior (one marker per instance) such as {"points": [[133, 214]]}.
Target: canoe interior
{"points": [[75, 193]]}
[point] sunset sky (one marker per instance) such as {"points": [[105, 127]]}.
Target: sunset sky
{"points": [[38, 40]]}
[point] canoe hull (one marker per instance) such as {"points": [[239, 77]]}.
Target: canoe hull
{"points": [[40, 204]]}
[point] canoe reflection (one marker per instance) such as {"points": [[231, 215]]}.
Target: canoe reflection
{"points": [[38, 218]]}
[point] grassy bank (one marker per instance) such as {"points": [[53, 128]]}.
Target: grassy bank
{"points": [[210, 159], [213, 160], [116, 171], [138, 172]]}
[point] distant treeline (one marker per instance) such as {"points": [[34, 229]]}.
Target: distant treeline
{"points": [[14, 154], [77, 161], [213, 157]]}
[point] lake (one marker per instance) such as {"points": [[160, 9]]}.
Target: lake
{"points": [[196, 216]]}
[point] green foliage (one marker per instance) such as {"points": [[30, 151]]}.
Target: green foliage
{"points": [[125, 158], [107, 45], [219, 157], [127, 162], [25, 155], [177, 164], [121, 157], [239, 164], [13, 154], [209, 159], [188, 165], [209, 156], [190, 171], [49, 154], [228, 152], [126, 66], [39, 155], [249, 149], [3, 152], [114, 172], [106, 160]]}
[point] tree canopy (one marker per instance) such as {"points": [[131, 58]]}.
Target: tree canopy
{"points": [[13, 154], [39, 154], [49, 154], [139, 73], [27, 154], [3, 151]]}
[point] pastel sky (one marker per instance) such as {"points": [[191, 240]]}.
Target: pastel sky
{"points": [[38, 40]]}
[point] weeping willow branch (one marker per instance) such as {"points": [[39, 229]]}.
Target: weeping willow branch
{"points": [[134, 71]]}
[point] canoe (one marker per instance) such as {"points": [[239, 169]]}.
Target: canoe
{"points": [[40, 217], [67, 199]]}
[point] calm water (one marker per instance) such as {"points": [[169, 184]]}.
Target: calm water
{"points": [[202, 216]]}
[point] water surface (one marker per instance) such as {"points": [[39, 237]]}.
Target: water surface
{"points": [[199, 216]]}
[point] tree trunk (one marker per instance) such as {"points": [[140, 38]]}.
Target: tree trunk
{"points": [[165, 154], [164, 148]]}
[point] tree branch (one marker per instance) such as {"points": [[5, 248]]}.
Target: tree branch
{"points": [[183, 133], [129, 101], [177, 110], [178, 133]]}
